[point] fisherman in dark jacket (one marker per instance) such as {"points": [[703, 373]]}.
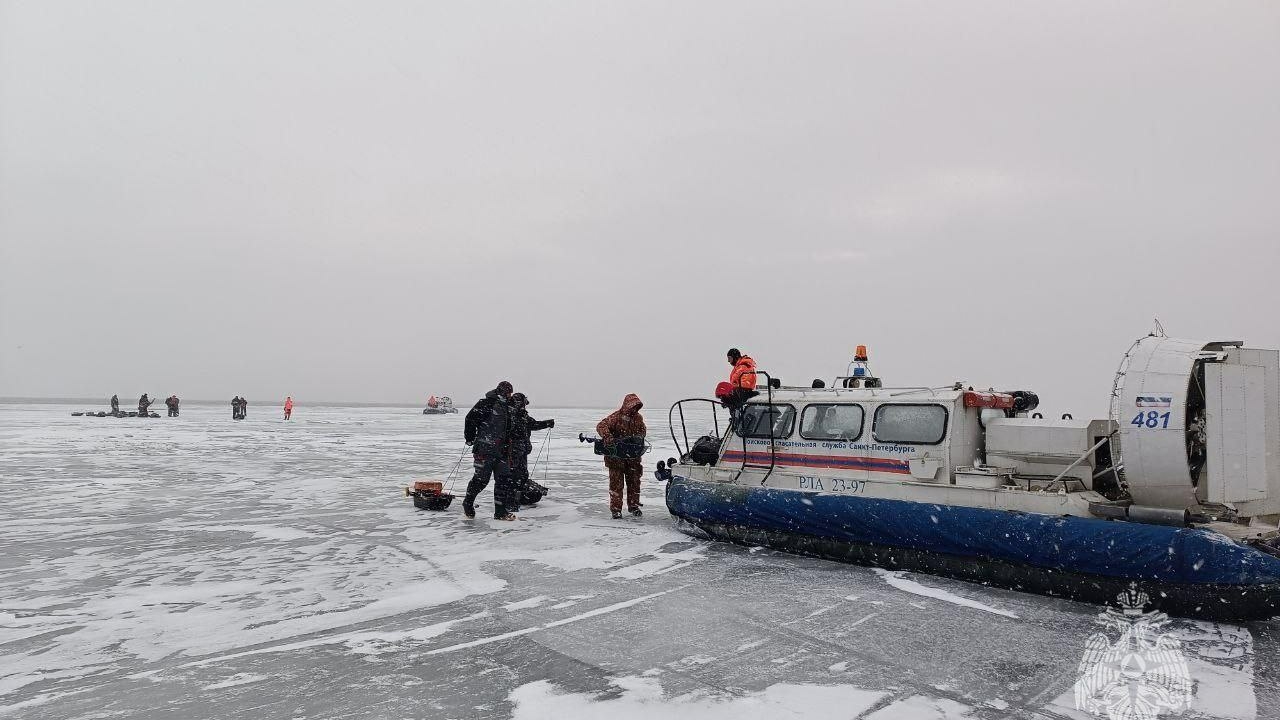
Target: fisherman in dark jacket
{"points": [[487, 428], [235, 408], [522, 429], [479, 413], [144, 403], [115, 404]]}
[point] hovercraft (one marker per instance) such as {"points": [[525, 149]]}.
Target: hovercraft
{"points": [[439, 406], [1176, 493]]}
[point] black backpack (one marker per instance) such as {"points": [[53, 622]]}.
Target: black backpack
{"points": [[705, 451]]}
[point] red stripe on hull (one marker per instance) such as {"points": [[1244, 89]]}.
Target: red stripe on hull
{"points": [[833, 462]]}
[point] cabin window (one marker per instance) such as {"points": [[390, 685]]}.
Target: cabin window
{"points": [[764, 421], [910, 424], [831, 422]]}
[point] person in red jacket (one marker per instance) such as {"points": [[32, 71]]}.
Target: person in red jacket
{"points": [[742, 380], [288, 407], [624, 428]]}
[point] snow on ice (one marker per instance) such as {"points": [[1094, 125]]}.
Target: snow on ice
{"points": [[199, 567]]}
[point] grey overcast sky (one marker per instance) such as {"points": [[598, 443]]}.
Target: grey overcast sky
{"points": [[372, 201]]}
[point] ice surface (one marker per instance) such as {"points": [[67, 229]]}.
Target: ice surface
{"points": [[200, 567], [642, 698], [900, 580]]}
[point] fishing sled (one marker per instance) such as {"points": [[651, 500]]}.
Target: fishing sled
{"points": [[429, 495]]}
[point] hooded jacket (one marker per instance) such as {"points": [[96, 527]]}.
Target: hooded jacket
{"points": [[492, 429], [625, 422], [478, 415], [523, 426], [743, 374]]}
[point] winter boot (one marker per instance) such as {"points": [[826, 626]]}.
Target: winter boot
{"points": [[636, 512], [469, 507], [617, 514]]}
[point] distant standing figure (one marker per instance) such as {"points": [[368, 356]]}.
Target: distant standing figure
{"points": [[288, 407], [244, 408], [115, 404], [237, 408], [171, 402], [625, 424], [144, 403]]}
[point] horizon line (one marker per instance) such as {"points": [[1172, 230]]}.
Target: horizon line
{"points": [[44, 400]]}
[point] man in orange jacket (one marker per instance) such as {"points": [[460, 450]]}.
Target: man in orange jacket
{"points": [[288, 407], [742, 380]]}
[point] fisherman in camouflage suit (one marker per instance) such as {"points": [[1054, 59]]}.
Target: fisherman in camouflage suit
{"points": [[624, 424]]}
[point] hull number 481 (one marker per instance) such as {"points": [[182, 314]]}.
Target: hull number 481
{"points": [[1151, 420]]}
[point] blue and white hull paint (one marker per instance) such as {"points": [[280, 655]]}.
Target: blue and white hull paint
{"points": [[1185, 571], [1176, 492]]}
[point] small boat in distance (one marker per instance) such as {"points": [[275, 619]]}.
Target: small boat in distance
{"points": [[442, 405]]}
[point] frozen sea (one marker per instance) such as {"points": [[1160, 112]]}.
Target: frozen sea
{"points": [[203, 568]]}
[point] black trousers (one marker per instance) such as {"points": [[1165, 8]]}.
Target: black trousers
{"points": [[520, 469], [506, 498]]}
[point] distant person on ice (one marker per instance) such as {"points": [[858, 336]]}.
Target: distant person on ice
{"points": [[487, 429], [288, 407], [522, 429], [244, 408], [115, 404], [625, 426], [144, 403], [171, 402], [235, 408]]}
